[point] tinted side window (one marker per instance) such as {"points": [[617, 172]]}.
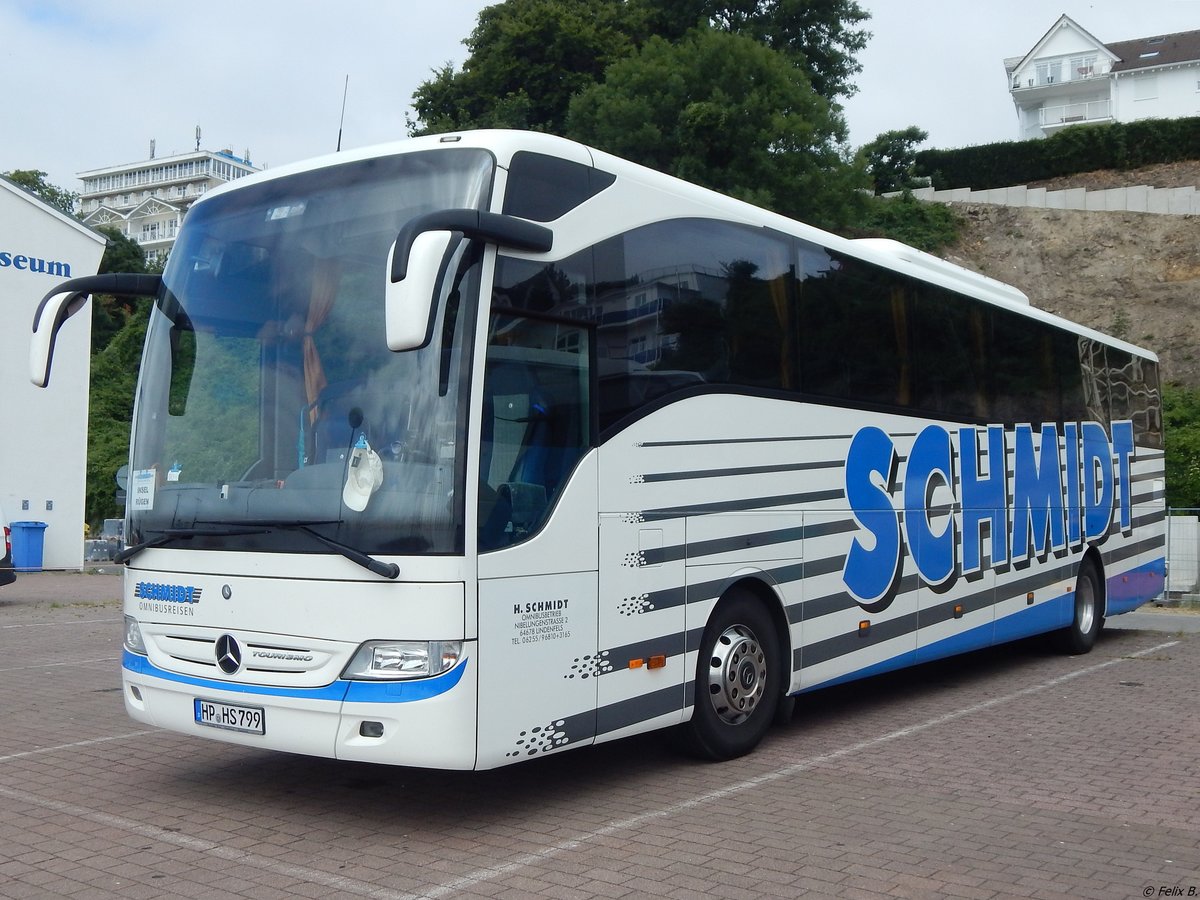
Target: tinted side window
{"points": [[1024, 370], [1070, 350], [1133, 395], [952, 354], [1093, 369], [855, 327], [688, 303], [542, 188]]}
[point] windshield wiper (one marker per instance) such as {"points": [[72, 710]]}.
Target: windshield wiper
{"points": [[260, 526], [382, 569], [181, 534]]}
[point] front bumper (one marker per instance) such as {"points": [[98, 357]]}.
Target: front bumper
{"points": [[428, 722]]}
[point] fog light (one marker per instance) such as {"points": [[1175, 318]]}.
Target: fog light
{"points": [[371, 729], [137, 694]]}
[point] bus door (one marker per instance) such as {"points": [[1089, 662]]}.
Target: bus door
{"points": [[537, 553], [642, 663]]}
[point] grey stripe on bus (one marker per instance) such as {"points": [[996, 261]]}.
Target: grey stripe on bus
{"points": [[651, 601], [625, 713], [880, 631], [819, 606], [697, 549], [653, 478], [789, 439], [840, 645], [722, 506], [667, 645]]}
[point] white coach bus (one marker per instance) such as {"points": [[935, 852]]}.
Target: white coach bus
{"points": [[477, 447]]}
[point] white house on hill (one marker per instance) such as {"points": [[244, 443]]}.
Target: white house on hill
{"points": [[1070, 77]]}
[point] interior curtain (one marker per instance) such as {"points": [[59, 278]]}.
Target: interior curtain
{"points": [[320, 303]]}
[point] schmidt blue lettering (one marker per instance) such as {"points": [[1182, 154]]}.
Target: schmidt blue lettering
{"points": [[1057, 489], [1123, 449], [1097, 482], [167, 593], [930, 462], [1037, 494], [872, 565], [984, 497]]}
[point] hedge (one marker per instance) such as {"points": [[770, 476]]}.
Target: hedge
{"points": [[1079, 148]]}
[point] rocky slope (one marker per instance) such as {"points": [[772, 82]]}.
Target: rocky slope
{"points": [[1133, 275]]}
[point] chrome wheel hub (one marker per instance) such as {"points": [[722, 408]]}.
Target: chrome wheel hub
{"points": [[737, 674], [1086, 600]]}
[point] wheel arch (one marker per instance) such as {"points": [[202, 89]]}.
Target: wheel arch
{"points": [[757, 585]]}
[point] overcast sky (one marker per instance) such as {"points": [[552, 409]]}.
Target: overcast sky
{"points": [[89, 83]]}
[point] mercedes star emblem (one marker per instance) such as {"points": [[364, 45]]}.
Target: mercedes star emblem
{"points": [[229, 654]]}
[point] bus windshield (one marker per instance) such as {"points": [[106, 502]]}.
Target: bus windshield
{"points": [[268, 398]]}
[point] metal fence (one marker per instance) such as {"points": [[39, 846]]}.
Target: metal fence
{"points": [[1183, 557]]}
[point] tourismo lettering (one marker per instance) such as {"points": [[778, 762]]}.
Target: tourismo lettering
{"points": [[1028, 497], [34, 264]]}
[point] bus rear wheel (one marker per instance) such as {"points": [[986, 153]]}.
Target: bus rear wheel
{"points": [[739, 679], [1080, 636]]}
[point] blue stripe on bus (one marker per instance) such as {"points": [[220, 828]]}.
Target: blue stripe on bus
{"points": [[338, 691], [908, 658], [404, 691], [1125, 591], [1131, 589]]}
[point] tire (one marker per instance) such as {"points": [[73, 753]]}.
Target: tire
{"points": [[1080, 636], [739, 680]]}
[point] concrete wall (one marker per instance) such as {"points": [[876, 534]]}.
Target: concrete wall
{"points": [[43, 432], [1183, 201]]}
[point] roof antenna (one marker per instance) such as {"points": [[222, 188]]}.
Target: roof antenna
{"points": [[345, 89]]}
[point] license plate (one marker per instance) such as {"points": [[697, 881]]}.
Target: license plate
{"points": [[249, 719]]}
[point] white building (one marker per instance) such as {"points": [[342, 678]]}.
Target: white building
{"points": [[1070, 77], [43, 431], [146, 200]]}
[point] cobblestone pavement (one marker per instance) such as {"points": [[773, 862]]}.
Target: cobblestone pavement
{"points": [[1006, 773]]}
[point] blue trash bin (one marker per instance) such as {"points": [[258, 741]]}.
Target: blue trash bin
{"points": [[27, 540]]}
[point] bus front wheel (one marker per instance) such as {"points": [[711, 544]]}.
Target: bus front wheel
{"points": [[739, 677], [1080, 636]]}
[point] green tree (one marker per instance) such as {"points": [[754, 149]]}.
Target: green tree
{"points": [[821, 37], [727, 112], [527, 59], [118, 331], [110, 410], [926, 226], [891, 159], [1181, 424], [109, 314], [34, 181], [121, 254]]}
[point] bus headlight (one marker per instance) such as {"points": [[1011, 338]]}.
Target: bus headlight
{"points": [[133, 636], [395, 660]]}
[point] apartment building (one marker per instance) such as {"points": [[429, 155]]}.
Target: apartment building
{"points": [[146, 200]]}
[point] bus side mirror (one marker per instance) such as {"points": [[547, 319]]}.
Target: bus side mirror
{"points": [[409, 301], [67, 299], [416, 261]]}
